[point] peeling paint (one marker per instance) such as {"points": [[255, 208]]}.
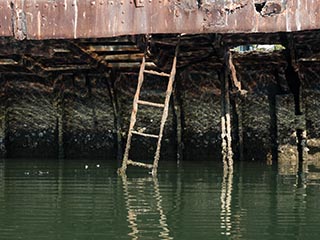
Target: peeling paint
{"points": [[232, 7], [288, 23], [65, 4], [19, 24], [271, 8], [39, 23], [298, 22], [75, 21]]}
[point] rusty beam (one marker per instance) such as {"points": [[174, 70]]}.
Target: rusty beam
{"points": [[42, 19]]}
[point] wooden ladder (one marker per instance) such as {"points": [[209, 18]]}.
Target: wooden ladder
{"points": [[137, 101]]}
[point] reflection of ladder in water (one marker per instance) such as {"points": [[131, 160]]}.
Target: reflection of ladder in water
{"points": [[138, 205], [136, 102]]}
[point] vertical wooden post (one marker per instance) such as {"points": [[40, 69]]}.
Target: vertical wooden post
{"points": [[2, 163], [58, 102], [226, 136], [240, 126], [294, 82], [3, 131], [178, 119], [286, 135], [60, 132], [166, 107], [111, 80], [133, 117], [3, 121]]}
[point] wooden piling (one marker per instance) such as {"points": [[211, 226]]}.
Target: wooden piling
{"points": [[3, 124], [111, 79], [58, 102], [288, 160], [226, 136], [311, 135], [177, 111], [3, 119]]}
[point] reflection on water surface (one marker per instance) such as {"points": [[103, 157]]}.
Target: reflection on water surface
{"points": [[198, 200]]}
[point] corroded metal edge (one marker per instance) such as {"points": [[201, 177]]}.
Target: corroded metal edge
{"points": [[43, 19]]}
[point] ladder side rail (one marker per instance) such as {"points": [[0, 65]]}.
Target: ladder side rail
{"points": [[166, 108], [133, 118]]}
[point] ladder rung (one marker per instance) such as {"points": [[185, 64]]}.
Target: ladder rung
{"points": [[152, 104], [145, 134], [163, 74], [139, 164]]}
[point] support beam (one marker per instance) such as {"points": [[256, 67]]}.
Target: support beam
{"points": [[178, 115], [288, 160], [33, 66], [311, 107], [3, 119], [111, 80], [294, 81], [58, 102], [226, 135], [3, 125]]}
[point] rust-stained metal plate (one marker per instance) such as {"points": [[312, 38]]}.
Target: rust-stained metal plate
{"points": [[43, 19], [5, 18]]}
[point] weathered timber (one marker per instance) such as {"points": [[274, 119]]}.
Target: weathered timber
{"points": [[309, 76], [58, 104], [25, 68], [200, 99], [137, 102], [50, 56], [226, 135], [89, 117], [31, 118], [3, 131], [133, 118], [166, 106], [148, 119], [288, 160], [310, 99], [111, 81], [3, 116], [257, 127], [178, 118]]}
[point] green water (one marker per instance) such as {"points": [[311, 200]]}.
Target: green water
{"points": [[199, 200]]}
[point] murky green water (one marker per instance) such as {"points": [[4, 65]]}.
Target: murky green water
{"points": [[199, 200]]}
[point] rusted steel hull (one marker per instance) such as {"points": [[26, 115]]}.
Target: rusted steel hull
{"points": [[44, 19]]}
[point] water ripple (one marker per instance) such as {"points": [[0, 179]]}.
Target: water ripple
{"points": [[70, 202]]}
